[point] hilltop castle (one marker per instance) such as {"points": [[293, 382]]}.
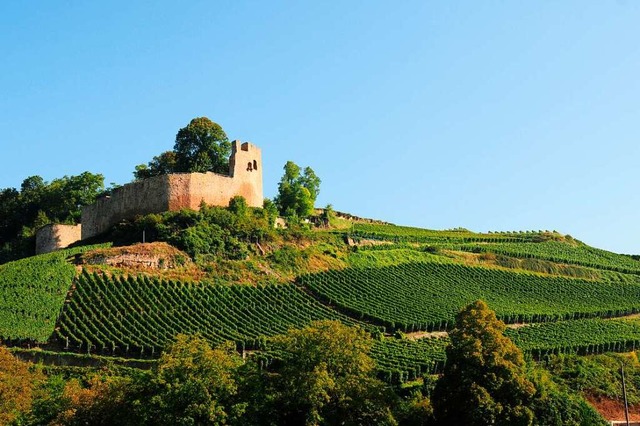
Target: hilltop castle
{"points": [[163, 193]]}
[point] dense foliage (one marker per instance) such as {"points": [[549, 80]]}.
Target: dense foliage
{"points": [[485, 373], [329, 379], [201, 146], [38, 203], [17, 382], [486, 381], [297, 192], [213, 231]]}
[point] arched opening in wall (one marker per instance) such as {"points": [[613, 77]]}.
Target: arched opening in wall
{"points": [[249, 166], [255, 165]]}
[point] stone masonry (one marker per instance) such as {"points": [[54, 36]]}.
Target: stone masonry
{"points": [[177, 191], [54, 236]]}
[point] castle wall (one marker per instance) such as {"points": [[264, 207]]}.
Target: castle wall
{"points": [[178, 191], [54, 237], [135, 198]]}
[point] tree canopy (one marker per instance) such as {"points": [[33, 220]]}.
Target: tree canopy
{"points": [[200, 146], [484, 380], [195, 384], [297, 192], [38, 203], [328, 377], [17, 382]]}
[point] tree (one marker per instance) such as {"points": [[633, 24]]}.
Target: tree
{"points": [[484, 380], [202, 146], [195, 384], [297, 192], [38, 203], [327, 377], [17, 382], [162, 164]]}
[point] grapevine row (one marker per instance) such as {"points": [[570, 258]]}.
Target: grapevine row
{"points": [[427, 295], [32, 292], [140, 315]]}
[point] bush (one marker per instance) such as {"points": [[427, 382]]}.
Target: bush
{"points": [[218, 231]]}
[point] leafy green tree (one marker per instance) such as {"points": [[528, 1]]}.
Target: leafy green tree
{"points": [[162, 164], [10, 220], [554, 405], [327, 377], [484, 380], [270, 211], [195, 384], [38, 203], [297, 192], [202, 146]]}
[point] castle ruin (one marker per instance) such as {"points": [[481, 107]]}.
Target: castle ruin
{"points": [[163, 193]]}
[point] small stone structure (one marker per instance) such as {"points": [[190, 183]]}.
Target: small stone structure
{"points": [[55, 236], [177, 191]]}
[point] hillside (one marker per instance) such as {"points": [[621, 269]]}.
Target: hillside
{"points": [[560, 294]]}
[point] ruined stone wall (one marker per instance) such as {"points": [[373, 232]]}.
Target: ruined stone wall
{"points": [[180, 190], [245, 167], [141, 197], [54, 237]]}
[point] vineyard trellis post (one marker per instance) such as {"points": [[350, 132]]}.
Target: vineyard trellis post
{"points": [[624, 393]]}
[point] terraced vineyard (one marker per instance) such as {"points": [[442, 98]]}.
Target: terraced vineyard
{"points": [[426, 296], [579, 336], [399, 360], [554, 251], [398, 284], [32, 292], [419, 235], [140, 315]]}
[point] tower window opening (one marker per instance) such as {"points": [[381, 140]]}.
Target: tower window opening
{"points": [[255, 165]]}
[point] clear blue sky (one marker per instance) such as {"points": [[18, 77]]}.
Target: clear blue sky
{"points": [[491, 115]]}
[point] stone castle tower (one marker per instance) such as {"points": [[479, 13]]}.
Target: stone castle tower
{"points": [[170, 192]]}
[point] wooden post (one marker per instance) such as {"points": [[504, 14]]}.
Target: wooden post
{"points": [[624, 394]]}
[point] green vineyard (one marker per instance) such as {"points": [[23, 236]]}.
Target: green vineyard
{"points": [[419, 235], [402, 359], [426, 296], [32, 293], [561, 252], [399, 360], [401, 278], [580, 336], [139, 316]]}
